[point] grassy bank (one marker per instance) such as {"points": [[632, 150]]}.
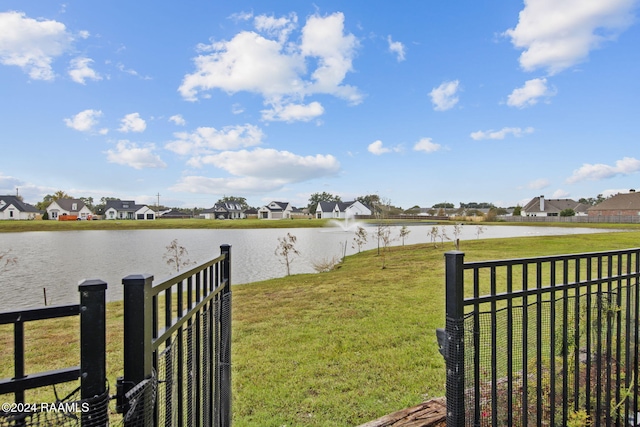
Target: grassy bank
{"points": [[331, 349]]}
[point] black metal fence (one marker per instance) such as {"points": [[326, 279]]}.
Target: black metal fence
{"points": [[177, 348], [177, 355], [548, 341], [89, 408]]}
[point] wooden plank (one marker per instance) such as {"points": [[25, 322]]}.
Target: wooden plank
{"points": [[432, 413]]}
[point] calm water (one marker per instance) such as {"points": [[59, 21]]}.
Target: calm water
{"points": [[58, 261]]}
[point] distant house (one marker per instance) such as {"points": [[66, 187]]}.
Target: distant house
{"points": [[174, 214], [62, 207], [622, 204], [225, 210], [539, 206], [275, 210], [341, 209], [11, 207], [127, 209]]}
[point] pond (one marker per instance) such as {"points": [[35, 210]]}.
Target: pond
{"points": [[57, 261]]}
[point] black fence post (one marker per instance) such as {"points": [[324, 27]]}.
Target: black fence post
{"points": [[225, 328], [454, 277], [93, 359], [137, 339]]}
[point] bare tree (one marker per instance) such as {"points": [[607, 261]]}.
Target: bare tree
{"points": [[404, 232], [479, 230], [457, 230], [176, 255], [433, 234], [286, 250], [360, 238]]}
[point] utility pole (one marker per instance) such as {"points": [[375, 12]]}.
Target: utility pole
{"points": [[158, 203]]}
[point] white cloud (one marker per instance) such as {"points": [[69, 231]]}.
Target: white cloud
{"points": [[377, 148], [501, 134], [529, 94], [556, 35], [32, 44], [277, 68], [129, 154], [80, 70], [293, 112], [426, 145], [204, 140], [258, 171], [444, 96], [596, 172], [538, 184], [560, 194], [178, 120], [208, 185], [397, 48], [272, 164], [84, 121], [132, 123]]}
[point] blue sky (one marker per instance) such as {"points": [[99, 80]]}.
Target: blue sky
{"points": [[418, 102]]}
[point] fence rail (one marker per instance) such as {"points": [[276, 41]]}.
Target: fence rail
{"points": [[177, 343], [543, 341], [90, 408]]}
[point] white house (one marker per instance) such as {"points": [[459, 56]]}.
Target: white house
{"points": [[127, 209], [11, 207], [275, 210], [225, 210], [341, 209], [62, 207]]}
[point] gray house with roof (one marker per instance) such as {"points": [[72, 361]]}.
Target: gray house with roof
{"points": [[539, 206], [622, 204], [227, 210], [127, 209], [11, 207]]}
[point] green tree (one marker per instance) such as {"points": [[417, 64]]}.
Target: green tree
{"points": [[444, 205], [371, 200], [567, 212], [517, 211], [316, 198]]}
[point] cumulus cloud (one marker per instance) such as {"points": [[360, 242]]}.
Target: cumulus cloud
{"points": [[555, 35], [444, 97], [130, 154], [293, 112], [378, 149], [268, 62], [560, 194], [132, 123], [84, 121], [596, 172], [205, 140], [530, 93], [258, 170], [397, 48], [32, 44], [538, 184], [178, 120], [80, 70], [427, 145], [500, 134]]}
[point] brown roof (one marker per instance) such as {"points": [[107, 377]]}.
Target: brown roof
{"points": [[626, 201]]}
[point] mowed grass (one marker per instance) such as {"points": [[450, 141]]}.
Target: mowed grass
{"points": [[331, 349]]}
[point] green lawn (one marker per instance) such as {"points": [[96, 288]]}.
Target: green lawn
{"points": [[338, 348]]}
